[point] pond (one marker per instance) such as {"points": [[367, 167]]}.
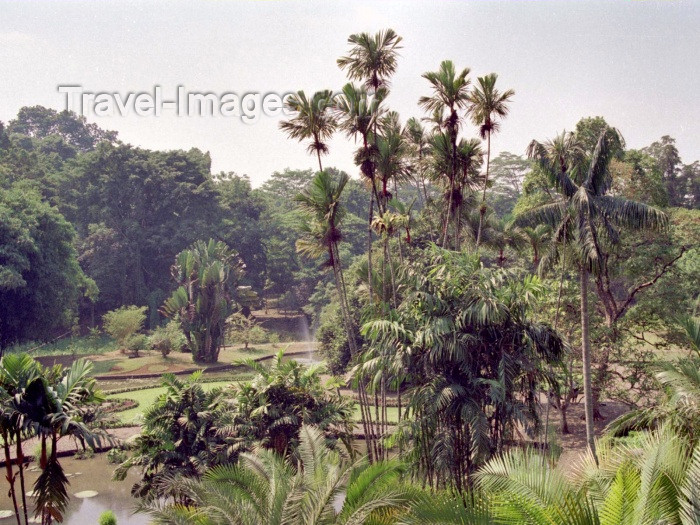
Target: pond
{"points": [[89, 474]]}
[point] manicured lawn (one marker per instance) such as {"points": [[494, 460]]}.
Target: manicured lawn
{"points": [[392, 414], [152, 362], [146, 398]]}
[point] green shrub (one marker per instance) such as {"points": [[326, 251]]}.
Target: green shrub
{"points": [[86, 453], [107, 518], [245, 330], [332, 339], [167, 338], [136, 343], [125, 322], [116, 456]]}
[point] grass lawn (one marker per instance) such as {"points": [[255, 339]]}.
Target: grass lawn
{"points": [[392, 414], [152, 362], [146, 398]]}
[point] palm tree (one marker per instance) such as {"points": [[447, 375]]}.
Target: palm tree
{"points": [[475, 361], [459, 187], [179, 436], [372, 58], [55, 404], [207, 274], [313, 120], [417, 139], [450, 95], [585, 217], [320, 203], [17, 371], [538, 237], [358, 116], [266, 489], [656, 481], [487, 105], [391, 156]]}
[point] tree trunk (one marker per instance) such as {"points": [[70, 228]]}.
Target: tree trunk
{"points": [[20, 466], [564, 421], [369, 248], [586, 358], [482, 209], [9, 475]]}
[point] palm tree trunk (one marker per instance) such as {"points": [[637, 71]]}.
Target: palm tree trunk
{"points": [[398, 418], [342, 298], [20, 466], [586, 357], [320, 166], [448, 215], [369, 249], [482, 209], [9, 474]]}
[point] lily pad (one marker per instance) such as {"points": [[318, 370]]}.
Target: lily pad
{"points": [[86, 494]]}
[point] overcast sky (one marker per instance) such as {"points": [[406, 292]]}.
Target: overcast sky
{"points": [[634, 62]]}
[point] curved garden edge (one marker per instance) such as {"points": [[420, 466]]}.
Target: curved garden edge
{"points": [[188, 371]]}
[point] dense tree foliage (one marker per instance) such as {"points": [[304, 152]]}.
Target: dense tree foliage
{"points": [[41, 283]]}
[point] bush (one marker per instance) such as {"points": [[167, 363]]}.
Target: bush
{"points": [[136, 343], [116, 456], [167, 338], [125, 322], [245, 330], [86, 453], [107, 518], [332, 339]]}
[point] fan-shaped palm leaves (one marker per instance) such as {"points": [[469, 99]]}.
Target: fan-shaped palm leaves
{"points": [[651, 483], [324, 488], [313, 120]]}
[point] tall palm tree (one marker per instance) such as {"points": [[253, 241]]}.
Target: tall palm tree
{"points": [[313, 120], [372, 58], [450, 95], [417, 139], [459, 187], [320, 202], [358, 115], [487, 106], [584, 216]]}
